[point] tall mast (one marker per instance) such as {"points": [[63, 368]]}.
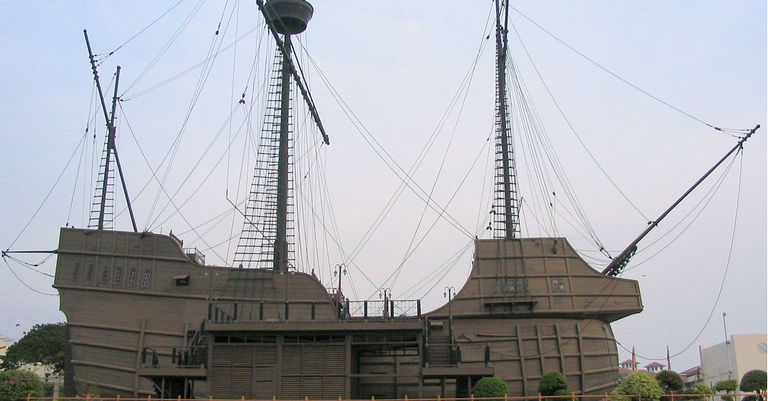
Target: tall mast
{"points": [[280, 259], [265, 240], [110, 148], [505, 206]]}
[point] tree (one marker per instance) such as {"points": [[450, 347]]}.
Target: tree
{"points": [[490, 387], [16, 384], [553, 382], [700, 389], [670, 381], [44, 344], [753, 381], [729, 386], [638, 385]]}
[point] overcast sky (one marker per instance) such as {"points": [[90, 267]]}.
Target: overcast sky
{"points": [[397, 65]]}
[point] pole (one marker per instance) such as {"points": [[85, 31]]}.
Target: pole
{"points": [[501, 81], [280, 261], [727, 348], [619, 262], [110, 120]]}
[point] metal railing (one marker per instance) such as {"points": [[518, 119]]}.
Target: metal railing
{"points": [[572, 397], [178, 357], [258, 311], [390, 309]]}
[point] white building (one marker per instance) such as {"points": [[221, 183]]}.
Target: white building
{"points": [[4, 344], [731, 359]]}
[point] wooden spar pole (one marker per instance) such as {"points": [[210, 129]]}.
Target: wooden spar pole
{"points": [[619, 262], [111, 148]]}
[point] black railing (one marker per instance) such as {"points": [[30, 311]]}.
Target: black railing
{"points": [[178, 357], [270, 311]]}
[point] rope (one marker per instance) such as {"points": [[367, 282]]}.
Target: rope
{"points": [[618, 77], [25, 284], [725, 273]]}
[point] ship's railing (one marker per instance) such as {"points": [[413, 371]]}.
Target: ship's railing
{"points": [[390, 309], [572, 397], [259, 311], [178, 357], [195, 255]]}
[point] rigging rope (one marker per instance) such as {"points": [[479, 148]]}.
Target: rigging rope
{"points": [[725, 272], [141, 31], [618, 77]]}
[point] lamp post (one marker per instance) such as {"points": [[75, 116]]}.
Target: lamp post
{"points": [[387, 294], [339, 270], [449, 292]]}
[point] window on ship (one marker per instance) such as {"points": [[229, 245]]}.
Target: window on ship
{"points": [[118, 275], [132, 277], [104, 275], [75, 271], [145, 279]]}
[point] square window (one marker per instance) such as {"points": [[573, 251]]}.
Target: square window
{"points": [[513, 285], [558, 284]]}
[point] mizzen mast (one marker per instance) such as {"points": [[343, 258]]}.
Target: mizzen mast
{"points": [[505, 202]]}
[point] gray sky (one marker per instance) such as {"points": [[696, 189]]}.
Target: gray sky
{"points": [[397, 65]]}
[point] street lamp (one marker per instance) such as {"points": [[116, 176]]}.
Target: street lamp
{"points": [[449, 292], [339, 270], [387, 294]]}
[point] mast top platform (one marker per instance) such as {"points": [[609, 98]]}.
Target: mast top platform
{"points": [[289, 17]]}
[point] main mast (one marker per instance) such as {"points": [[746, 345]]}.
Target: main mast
{"points": [[505, 203], [264, 241]]}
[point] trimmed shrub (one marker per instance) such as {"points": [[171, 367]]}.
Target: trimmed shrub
{"points": [[562, 392], [638, 385], [670, 381], [16, 384], [551, 383], [490, 387], [728, 386], [754, 380], [699, 389]]}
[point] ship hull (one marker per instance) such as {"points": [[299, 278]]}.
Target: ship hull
{"points": [[144, 317]]}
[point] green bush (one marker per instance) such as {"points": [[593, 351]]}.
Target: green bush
{"points": [[562, 392], [490, 387], [754, 380], [670, 381], [551, 383], [15, 384], [638, 385], [699, 389], [729, 386]]}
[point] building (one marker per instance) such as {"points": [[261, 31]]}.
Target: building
{"points": [[4, 344], [654, 367], [733, 358], [691, 376]]}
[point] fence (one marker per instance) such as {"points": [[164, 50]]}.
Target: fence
{"points": [[573, 397]]}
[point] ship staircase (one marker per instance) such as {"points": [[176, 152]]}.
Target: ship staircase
{"points": [[442, 360], [173, 370]]}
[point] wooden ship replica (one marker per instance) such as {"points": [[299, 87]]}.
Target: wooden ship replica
{"points": [[146, 316]]}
